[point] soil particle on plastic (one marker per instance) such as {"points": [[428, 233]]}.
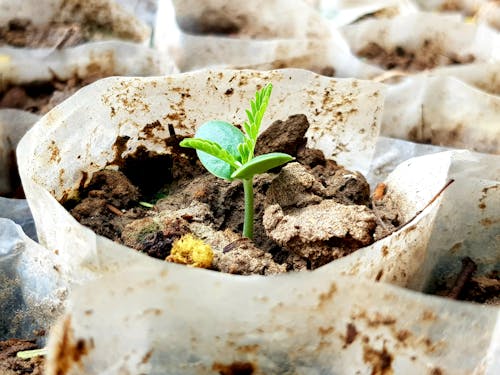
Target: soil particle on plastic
{"points": [[11, 365], [235, 368], [306, 215], [380, 360], [429, 55]]}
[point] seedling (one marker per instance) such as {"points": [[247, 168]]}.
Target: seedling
{"points": [[227, 152]]}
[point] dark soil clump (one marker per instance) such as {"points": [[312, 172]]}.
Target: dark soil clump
{"points": [[307, 213], [11, 365]]}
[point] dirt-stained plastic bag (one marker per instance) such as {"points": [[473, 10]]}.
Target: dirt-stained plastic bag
{"points": [[277, 44], [422, 41], [67, 159], [152, 320], [102, 19], [32, 289], [318, 322], [111, 57], [443, 110]]}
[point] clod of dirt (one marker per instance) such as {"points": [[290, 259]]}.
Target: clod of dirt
{"points": [[342, 185], [154, 236], [11, 365], [295, 186], [284, 136], [298, 186], [323, 232], [108, 192], [113, 186]]}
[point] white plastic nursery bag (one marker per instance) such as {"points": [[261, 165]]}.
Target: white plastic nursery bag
{"points": [[111, 57], [269, 41], [427, 40], [444, 111], [158, 318], [105, 19], [154, 320], [123, 107], [32, 288]]}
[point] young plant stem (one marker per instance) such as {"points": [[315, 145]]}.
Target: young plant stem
{"points": [[248, 223]]}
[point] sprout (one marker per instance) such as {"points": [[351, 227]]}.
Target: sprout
{"points": [[227, 152]]}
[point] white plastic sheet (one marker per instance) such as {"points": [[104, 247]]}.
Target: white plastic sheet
{"points": [[32, 289], [281, 43], [154, 318], [112, 57], [344, 12], [97, 15], [444, 111], [436, 35]]}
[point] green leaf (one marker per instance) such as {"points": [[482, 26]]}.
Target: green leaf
{"points": [[220, 155], [211, 148], [261, 164]]}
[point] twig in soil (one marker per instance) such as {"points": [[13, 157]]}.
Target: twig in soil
{"points": [[423, 209], [430, 202], [113, 209], [465, 275]]}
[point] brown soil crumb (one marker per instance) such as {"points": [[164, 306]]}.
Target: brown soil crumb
{"points": [[428, 56], [22, 33], [11, 365], [307, 213]]}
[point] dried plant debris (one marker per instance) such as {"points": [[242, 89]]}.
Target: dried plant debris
{"points": [[307, 213]]}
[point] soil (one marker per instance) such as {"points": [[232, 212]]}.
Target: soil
{"points": [[11, 365], [308, 213], [40, 98], [467, 286], [22, 33], [428, 56]]}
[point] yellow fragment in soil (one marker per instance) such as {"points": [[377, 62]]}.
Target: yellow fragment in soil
{"points": [[191, 251]]}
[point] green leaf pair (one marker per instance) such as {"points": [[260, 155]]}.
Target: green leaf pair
{"points": [[216, 145]]}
